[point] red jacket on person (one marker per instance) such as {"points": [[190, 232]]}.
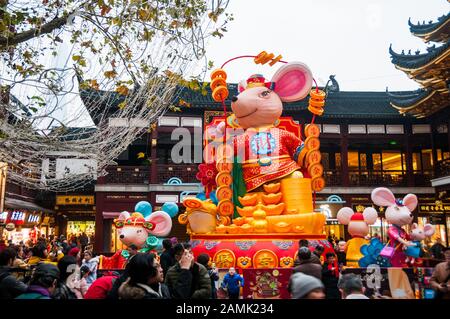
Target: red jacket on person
{"points": [[100, 288]]}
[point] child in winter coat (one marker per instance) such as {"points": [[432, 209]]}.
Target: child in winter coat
{"points": [[92, 263]]}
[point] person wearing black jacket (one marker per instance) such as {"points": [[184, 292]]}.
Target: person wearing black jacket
{"points": [[188, 279], [114, 292], [203, 259], [167, 258], [67, 266], [330, 277], [307, 265], [10, 287]]}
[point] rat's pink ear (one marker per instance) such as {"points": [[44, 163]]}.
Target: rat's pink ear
{"points": [[162, 222], [383, 196], [292, 81], [410, 201], [242, 86]]}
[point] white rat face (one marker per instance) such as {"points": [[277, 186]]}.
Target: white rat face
{"points": [[399, 215], [417, 234], [136, 235], [358, 228]]}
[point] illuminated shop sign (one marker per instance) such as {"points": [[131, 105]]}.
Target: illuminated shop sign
{"points": [[17, 217], [75, 200], [3, 216], [438, 207], [33, 218]]}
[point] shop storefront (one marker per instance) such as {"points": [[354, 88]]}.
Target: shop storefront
{"points": [[330, 207], [26, 225], [76, 228], [76, 215], [437, 214]]}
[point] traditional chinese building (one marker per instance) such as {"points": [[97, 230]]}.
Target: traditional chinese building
{"points": [[432, 71]]}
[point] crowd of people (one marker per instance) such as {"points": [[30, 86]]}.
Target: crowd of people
{"points": [[55, 269]]}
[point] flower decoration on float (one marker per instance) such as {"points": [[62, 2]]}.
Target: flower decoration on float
{"points": [[206, 175], [371, 253]]}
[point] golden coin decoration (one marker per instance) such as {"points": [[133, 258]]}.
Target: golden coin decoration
{"points": [[220, 93], [312, 130], [224, 192], [312, 143], [225, 207], [316, 102], [224, 166], [313, 157], [265, 258], [317, 184], [192, 202], [224, 258], [225, 151], [224, 179], [215, 83], [315, 170], [219, 73]]}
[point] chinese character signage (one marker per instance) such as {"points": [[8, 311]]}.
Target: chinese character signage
{"points": [[74, 200], [438, 207]]}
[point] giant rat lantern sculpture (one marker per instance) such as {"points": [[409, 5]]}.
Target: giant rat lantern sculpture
{"points": [[260, 173]]}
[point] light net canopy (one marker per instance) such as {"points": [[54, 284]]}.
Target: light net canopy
{"points": [[80, 80]]}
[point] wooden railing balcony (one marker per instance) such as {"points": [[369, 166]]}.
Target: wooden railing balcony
{"points": [[185, 172], [377, 178], [126, 175], [333, 177], [423, 178]]}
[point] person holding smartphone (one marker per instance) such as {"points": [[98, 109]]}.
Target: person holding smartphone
{"points": [[187, 279]]}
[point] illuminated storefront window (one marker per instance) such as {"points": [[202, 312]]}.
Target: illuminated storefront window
{"points": [[392, 161], [448, 227], [332, 227], [376, 159], [76, 228], [353, 160], [417, 162]]}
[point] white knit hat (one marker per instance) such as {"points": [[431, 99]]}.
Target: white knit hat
{"points": [[300, 285]]}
